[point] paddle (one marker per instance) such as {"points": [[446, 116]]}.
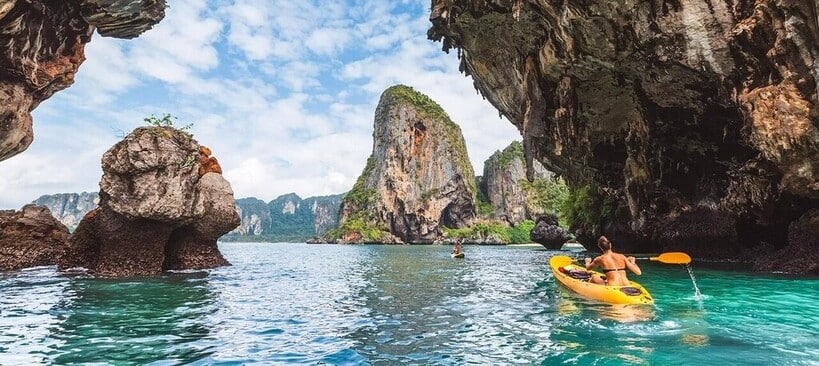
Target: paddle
{"points": [[671, 258]]}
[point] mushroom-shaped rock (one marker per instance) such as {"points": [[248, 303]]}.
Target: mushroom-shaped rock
{"points": [[548, 233], [155, 212]]}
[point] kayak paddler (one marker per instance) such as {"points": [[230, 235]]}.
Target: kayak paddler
{"points": [[613, 265]]}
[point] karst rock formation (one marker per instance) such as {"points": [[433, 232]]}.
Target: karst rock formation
{"points": [[156, 212], [699, 118], [418, 179]]}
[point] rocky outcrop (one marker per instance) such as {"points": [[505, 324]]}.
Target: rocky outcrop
{"points": [[512, 197], [42, 45], [548, 232], [418, 178], [800, 255], [69, 208], [30, 237], [667, 108], [155, 212], [288, 218]]}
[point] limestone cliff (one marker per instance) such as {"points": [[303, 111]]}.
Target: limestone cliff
{"points": [[69, 208], [288, 218], [155, 211], [42, 45], [512, 197], [325, 211], [255, 217], [699, 119], [418, 178]]}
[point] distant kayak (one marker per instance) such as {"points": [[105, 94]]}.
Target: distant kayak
{"points": [[576, 278], [459, 255]]}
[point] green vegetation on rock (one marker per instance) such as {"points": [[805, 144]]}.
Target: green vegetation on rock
{"points": [[482, 205], [518, 234], [166, 120], [511, 153], [359, 201], [585, 207], [360, 196], [548, 194], [363, 223], [480, 230], [422, 102]]}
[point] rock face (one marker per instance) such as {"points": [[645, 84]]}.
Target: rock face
{"points": [[668, 108], [504, 184], [42, 45], [286, 218], [418, 178], [800, 255], [255, 217], [30, 237], [548, 233], [155, 212], [69, 208]]}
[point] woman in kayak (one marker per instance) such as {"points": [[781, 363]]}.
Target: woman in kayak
{"points": [[458, 247], [612, 264]]}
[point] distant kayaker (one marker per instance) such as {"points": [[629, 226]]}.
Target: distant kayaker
{"points": [[458, 247], [612, 264]]}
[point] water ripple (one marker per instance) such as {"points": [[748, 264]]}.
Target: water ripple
{"points": [[385, 305]]}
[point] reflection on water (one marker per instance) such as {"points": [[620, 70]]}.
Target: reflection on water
{"points": [[571, 305], [385, 305]]}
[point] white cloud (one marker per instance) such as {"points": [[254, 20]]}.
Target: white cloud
{"points": [[283, 92], [328, 41]]}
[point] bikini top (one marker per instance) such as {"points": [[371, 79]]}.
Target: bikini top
{"points": [[607, 270]]}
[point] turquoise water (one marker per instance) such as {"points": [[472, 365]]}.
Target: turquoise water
{"points": [[386, 305]]}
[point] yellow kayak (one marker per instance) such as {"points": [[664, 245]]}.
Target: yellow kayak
{"points": [[459, 255], [575, 277]]}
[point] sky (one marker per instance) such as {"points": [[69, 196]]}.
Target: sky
{"points": [[283, 92]]}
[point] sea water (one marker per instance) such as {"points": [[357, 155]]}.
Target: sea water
{"points": [[385, 305]]}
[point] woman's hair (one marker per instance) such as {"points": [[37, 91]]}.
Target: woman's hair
{"points": [[603, 243]]}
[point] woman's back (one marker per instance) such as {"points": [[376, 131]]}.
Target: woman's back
{"points": [[614, 266]]}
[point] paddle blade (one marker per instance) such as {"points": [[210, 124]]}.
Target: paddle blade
{"points": [[672, 258]]}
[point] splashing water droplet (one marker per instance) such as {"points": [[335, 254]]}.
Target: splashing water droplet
{"points": [[697, 293]]}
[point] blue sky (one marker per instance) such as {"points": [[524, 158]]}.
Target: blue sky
{"points": [[283, 92]]}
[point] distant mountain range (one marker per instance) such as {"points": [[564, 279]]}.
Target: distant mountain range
{"points": [[288, 218]]}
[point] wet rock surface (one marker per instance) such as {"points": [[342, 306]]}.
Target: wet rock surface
{"points": [[30, 237]]}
